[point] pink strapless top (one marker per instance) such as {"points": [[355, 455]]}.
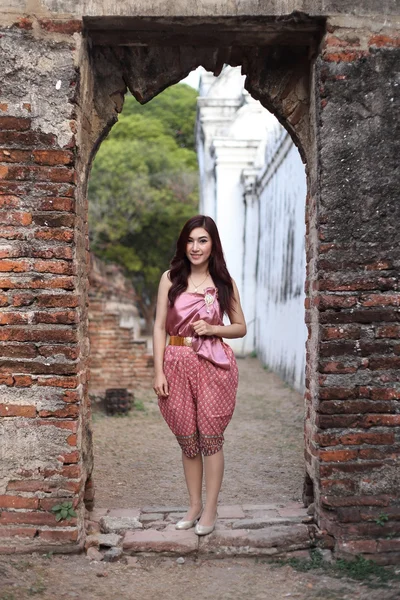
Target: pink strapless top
{"points": [[190, 307]]}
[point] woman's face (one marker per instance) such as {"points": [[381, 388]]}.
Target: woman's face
{"points": [[198, 247]]}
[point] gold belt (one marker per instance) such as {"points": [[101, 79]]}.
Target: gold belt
{"points": [[178, 340]]}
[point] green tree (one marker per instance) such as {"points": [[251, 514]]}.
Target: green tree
{"points": [[143, 187]]}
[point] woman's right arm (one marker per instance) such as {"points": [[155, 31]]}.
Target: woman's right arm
{"points": [[160, 385]]}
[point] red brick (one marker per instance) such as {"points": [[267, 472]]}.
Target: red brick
{"points": [[17, 410], [352, 467], [65, 317], [59, 267], [71, 457], [345, 56], [71, 410], [14, 123], [70, 535], [381, 300], [387, 362], [22, 381], [385, 394], [384, 40], [380, 420], [337, 393], [342, 332], [72, 441], [54, 220], [58, 300], [67, 27], [7, 201], [53, 157], [342, 486], [38, 367], [23, 299], [13, 318], [338, 348], [59, 235], [4, 300], [38, 335], [338, 455], [33, 518], [355, 406], [29, 173], [358, 284], [15, 156], [10, 233], [63, 382], [336, 501], [23, 532], [335, 301], [70, 352], [336, 367], [58, 204], [16, 266], [26, 138], [388, 331], [15, 218], [8, 501]]}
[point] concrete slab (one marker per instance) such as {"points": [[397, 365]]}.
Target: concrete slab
{"points": [[169, 541]]}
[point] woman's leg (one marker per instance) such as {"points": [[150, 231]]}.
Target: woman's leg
{"points": [[193, 469], [214, 472]]}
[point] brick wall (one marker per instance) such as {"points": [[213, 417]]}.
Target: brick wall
{"points": [[353, 389], [118, 357]]}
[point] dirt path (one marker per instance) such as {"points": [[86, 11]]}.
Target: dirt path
{"points": [[138, 463]]}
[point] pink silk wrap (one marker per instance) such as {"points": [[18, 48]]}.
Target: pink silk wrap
{"points": [[190, 307]]}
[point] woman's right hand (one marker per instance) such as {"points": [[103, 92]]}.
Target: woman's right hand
{"points": [[160, 385]]}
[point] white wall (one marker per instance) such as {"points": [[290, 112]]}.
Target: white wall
{"points": [[252, 182]]}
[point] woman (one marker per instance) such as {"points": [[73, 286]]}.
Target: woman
{"points": [[196, 375]]}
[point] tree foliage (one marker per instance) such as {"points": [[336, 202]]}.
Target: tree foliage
{"points": [[143, 187]]}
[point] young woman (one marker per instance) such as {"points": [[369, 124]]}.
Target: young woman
{"points": [[196, 375]]}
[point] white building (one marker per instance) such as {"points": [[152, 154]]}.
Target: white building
{"points": [[253, 183]]}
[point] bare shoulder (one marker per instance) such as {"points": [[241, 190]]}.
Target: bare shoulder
{"points": [[165, 281], [235, 287]]}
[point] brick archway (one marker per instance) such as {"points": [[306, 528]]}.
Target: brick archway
{"points": [[335, 94]]}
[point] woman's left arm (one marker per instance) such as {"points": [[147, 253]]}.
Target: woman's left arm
{"points": [[237, 328]]}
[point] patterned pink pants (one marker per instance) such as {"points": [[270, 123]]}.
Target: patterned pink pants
{"points": [[201, 399]]}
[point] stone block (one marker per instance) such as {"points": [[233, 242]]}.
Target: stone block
{"points": [[170, 541], [230, 512], [119, 524], [299, 511], [148, 517], [94, 554], [163, 509], [260, 523], [109, 539], [113, 554], [257, 507], [133, 513], [269, 541]]}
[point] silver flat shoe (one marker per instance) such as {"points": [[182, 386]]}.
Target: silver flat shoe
{"points": [[204, 529], [182, 524]]}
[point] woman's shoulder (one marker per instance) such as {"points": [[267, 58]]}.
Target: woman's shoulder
{"points": [[166, 279]]}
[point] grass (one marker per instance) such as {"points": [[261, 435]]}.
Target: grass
{"points": [[359, 569]]}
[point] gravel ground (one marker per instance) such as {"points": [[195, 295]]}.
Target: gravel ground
{"points": [[138, 464]]}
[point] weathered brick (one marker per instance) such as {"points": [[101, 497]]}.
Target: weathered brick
{"points": [[67, 27], [63, 382], [338, 455], [71, 410], [68, 535], [386, 362], [38, 335], [59, 267], [54, 220], [336, 301], [18, 350], [14, 318], [70, 352], [15, 218], [9, 501], [16, 266], [18, 410], [33, 518], [29, 173], [58, 235], [14, 123], [336, 367], [58, 300], [53, 157], [26, 138], [338, 348], [22, 532], [381, 40], [7, 201], [57, 204], [38, 368], [35, 282]]}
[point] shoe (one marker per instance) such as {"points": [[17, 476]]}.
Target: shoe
{"points": [[204, 529], [182, 524]]}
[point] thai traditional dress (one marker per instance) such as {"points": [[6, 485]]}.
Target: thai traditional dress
{"points": [[202, 376]]}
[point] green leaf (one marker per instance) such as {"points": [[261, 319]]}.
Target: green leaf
{"points": [[72, 513], [64, 513], [56, 508], [59, 517]]}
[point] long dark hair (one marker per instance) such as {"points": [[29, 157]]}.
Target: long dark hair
{"points": [[180, 264]]}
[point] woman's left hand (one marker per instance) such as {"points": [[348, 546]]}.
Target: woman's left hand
{"points": [[203, 328]]}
